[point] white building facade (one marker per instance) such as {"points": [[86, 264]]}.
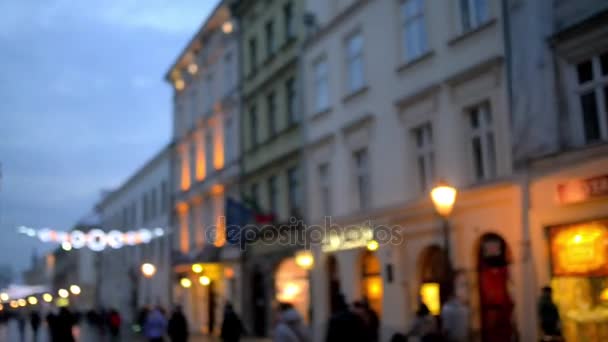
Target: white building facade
{"points": [[400, 95], [205, 164], [143, 201]]}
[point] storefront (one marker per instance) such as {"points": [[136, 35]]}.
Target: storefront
{"points": [[569, 223]]}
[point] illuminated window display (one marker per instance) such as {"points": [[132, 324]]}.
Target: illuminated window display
{"points": [[579, 255], [372, 281], [291, 285]]}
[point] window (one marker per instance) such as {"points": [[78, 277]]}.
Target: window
{"points": [[321, 79], [273, 195], [164, 195], [228, 140], [293, 186], [325, 189], [354, 62], [253, 55], [474, 13], [153, 203], [272, 120], [209, 99], [253, 126], [592, 91], [414, 30], [255, 196], [270, 44], [482, 142], [425, 160], [228, 74], [290, 91], [290, 30], [362, 178], [209, 150]]}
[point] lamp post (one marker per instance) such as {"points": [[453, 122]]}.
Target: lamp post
{"points": [[306, 261], [148, 270], [444, 197]]}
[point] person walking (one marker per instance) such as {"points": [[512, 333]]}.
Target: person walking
{"points": [[289, 326], [232, 327], [35, 323], [178, 326], [114, 322], [344, 324], [64, 322], [21, 326], [155, 325], [424, 326], [548, 314], [369, 317], [455, 320]]}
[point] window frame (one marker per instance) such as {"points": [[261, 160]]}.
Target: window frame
{"points": [[321, 84], [597, 85], [354, 60], [362, 178], [324, 174], [406, 24], [472, 19], [425, 155], [488, 147]]}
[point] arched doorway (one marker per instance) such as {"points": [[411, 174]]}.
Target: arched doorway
{"points": [[291, 285], [371, 281], [495, 303], [432, 274], [333, 282]]}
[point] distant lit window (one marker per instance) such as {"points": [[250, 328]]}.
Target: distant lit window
{"points": [[354, 62], [483, 145], [414, 29], [474, 13], [423, 141], [592, 92], [321, 85]]}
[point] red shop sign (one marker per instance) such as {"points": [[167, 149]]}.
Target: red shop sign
{"points": [[581, 190]]}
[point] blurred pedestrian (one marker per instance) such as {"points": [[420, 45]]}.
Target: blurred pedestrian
{"points": [[369, 317], [290, 326], [178, 326], [64, 322], [21, 326], [424, 325], [548, 313], [155, 325], [232, 327], [115, 322], [455, 320], [35, 323], [344, 324]]}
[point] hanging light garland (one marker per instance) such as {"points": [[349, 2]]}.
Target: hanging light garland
{"points": [[96, 239]]}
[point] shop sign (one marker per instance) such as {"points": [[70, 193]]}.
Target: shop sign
{"points": [[580, 250], [581, 190], [350, 237]]}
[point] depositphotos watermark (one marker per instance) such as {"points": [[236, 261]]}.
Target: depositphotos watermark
{"points": [[329, 235]]}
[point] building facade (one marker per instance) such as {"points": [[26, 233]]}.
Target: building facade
{"points": [[271, 139], [205, 164], [400, 95], [143, 201], [559, 73]]}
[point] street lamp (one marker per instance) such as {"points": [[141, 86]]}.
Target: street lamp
{"points": [[47, 297], [4, 297], [63, 293], [32, 300], [148, 270], [185, 283], [444, 197], [204, 280], [305, 260], [75, 290]]}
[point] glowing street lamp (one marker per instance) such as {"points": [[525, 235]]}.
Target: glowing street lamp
{"points": [[66, 246], [444, 197], [4, 297], [47, 297], [185, 283], [372, 245], [32, 300], [75, 290], [305, 260], [148, 270], [14, 304], [21, 302], [197, 268], [204, 280], [63, 293]]}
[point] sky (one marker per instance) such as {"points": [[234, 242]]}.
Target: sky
{"points": [[83, 104]]}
